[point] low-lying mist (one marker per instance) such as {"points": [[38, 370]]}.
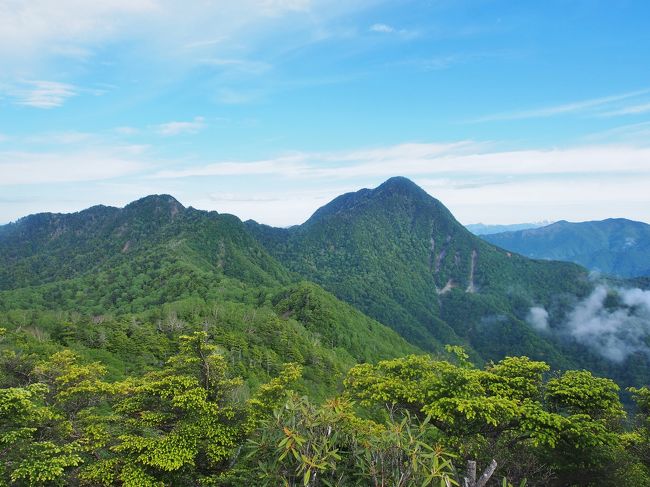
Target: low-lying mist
{"points": [[612, 321]]}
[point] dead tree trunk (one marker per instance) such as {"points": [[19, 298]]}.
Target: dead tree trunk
{"points": [[470, 478]]}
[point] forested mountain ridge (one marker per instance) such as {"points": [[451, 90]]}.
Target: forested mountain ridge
{"points": [[45, 247], [400, 256], [122, 280], [615, 246]]}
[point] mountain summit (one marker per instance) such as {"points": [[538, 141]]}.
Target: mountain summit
{"points": [[400, 184], [156, 203], [399, 255], [395, 187]]}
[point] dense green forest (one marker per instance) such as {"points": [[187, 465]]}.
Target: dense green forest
{"points": [[193, 420], [161, 345]]}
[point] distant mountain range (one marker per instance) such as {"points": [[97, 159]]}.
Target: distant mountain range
{"points": [[482, 229], [394, 254], [615, 246]]}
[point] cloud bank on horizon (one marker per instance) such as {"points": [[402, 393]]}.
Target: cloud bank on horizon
{"points": [[269, 108]]}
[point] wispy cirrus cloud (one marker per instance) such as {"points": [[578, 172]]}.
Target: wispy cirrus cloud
{"points": [[41, 94], [221, 43], [454, 159], [381, 28], [446, 61], [178, 128], [40, 29], [330, 164], [65, 27], [596, 106], [291, 166], [204, 43], [635, 133], [629, 110]]}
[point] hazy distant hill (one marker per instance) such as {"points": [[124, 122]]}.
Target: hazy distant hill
{"points": [[614, 246], [482, 229]]}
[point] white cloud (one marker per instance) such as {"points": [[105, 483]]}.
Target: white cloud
{"points": [[280, 208], [178, 128], [290, 166], [538, 318], [613, 333], [384, 28], [576, 198], [19, 168], [466, 158], [380, 28], [41, 94]]}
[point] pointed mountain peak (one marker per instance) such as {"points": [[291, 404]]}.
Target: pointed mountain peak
{"points": [[392, 193], [400, 184], [160, 204], [402, 187], [399, 188], [155, 199]]}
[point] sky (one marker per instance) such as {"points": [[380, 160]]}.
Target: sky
{"points": [[506, 111]]}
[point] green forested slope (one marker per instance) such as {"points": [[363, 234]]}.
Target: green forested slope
{"points": [[399, 255], [122, 285]]}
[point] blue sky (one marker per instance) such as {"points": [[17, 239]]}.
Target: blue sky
{"points": [[507, 111]]}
